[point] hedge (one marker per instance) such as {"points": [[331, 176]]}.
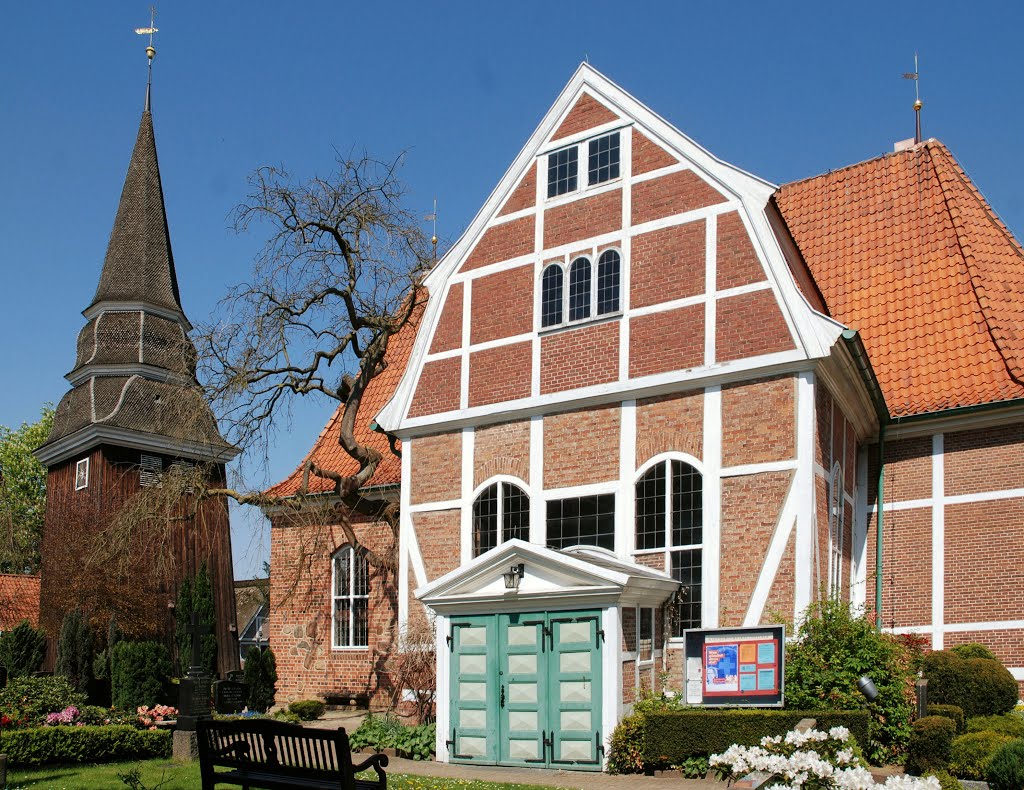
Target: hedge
{"points": [[930, 742], [38, 745], [671, 737]]}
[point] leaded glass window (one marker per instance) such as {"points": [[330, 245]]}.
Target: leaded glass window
{"points": [[588, 521], [608, 282], [351, 598], [501, 512], [562, 171], [579, 289], [603, 159], [551, 296]]}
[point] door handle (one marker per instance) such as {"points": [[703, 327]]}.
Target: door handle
{"points": [[501, 697]]}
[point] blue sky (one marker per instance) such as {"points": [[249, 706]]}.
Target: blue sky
{"points": [[784, 90]]}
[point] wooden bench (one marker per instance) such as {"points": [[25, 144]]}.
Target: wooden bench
{"points": [[273, 754]]}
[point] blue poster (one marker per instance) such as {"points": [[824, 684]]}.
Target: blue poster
{"points": [[720, 663], [766, 679], [748, 682], [766, 653]]}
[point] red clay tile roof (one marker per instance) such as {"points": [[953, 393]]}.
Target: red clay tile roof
{"points": [[909, 253], [19, 600], [327, 453]]}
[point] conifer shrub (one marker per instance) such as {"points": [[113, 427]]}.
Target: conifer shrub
{"points": [[971, 753], [308, 709], [139, 673], [74, 651], [931, 739], [261, 675], [22, 649], [1006, 724], [954, 712], [1006, 768]]}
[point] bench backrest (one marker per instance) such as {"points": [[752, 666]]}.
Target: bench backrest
{"points": [[279, 747]]}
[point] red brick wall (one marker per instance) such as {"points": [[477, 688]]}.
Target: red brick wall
{"points": [[908, 469], [500, 374], [448, 334], [439, 536], [299, 626], [581, 447], [671, 340], [579, 357], [438, 387], [587, 113], [436, 467], [648, 155], [779, 605], [984, 460], [751, 505], [672, 194], [670, 423], [501, 243], [502, 449], [583, 218], [736, 262], [502, 305], [907, 567], [749, 325], [667, 264], [524, 195], [759, 421]]}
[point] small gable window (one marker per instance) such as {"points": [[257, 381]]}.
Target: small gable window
{"points": [[351, 598], [563, 169], [579, 289], [82, 474], [581, 300], [500, 513], [551, 296], [603, 159]]}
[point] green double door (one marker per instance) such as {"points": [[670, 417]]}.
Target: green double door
{"points": [[526, 689]]}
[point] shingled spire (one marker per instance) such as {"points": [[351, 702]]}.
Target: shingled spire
{"points": [[139, 265]]}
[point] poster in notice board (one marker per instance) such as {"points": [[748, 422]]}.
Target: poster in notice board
{"points": [[735, 666]]}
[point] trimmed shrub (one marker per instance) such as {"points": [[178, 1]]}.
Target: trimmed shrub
{"points": [[28, 700], [954, 712], [261, 675], [833, 649], [74, 651], [970, 754], [308, 709], [672, 736], [981, 686], [1007, 724], [1006, 768], [139, 673], [38, 745], [972, 650], [22, 649], [626, 748], [931, 739], [946, 780]]}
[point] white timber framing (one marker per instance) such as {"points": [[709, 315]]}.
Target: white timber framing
{"points": [[712, 530], [806, 525], [938, 540]]}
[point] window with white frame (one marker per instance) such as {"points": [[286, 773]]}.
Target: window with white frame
{"points": [[836, 508], [670, 515], [501, 512], [82, 474], [603, 156], [581, 300], [351, 598], [582, 521]]}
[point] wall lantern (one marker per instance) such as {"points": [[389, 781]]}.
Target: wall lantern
{"points": [[514, 575], [867, 687]]}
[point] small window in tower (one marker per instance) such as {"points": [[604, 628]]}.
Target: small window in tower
{"points": [[82, 474], [603, 159], [152, 467], [562, 170]]}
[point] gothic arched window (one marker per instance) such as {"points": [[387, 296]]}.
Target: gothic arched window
{"points": [[501, 512]]}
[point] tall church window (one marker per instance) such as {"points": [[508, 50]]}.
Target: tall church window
{"points": [[350, 599], [670, 515], [501, 512], [836, 508]]}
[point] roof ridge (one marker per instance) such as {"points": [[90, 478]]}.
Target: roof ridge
{"points": [[984, 298], [861, 163]]}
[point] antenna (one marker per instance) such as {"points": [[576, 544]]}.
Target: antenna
{"points": [[150, 50], [918, 104]]}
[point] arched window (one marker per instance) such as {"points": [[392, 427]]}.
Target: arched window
{"points": [[579, 289], [551, 296], [501, 512], [670, 515], [836, 508], [351, 598], [608, 266]]}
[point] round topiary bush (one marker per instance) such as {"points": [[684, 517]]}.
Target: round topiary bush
{"points": [[1006, 724], [953, 712], [930, 742], [1006, 768], [970, 754], [993, 689], [972, 650]]}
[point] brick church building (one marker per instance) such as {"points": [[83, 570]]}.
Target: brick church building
{"points": [[669, 394]]}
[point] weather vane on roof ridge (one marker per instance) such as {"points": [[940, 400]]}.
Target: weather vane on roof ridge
{"points": [[150, 50], [918, 104]]}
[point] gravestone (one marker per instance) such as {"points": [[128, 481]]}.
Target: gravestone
{"points": [[229, 696]]}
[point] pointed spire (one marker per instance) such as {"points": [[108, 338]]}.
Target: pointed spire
{"points": [[139, 265]]}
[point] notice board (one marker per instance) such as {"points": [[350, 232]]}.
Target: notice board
{"points": [[735, 666]]}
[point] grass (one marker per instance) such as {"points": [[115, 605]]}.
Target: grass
{"points": [[169, 775]]}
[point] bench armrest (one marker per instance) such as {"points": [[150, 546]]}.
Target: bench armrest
{"points": [[376, 761]]}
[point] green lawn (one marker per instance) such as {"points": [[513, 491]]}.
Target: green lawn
{"points": [[176, 776]]}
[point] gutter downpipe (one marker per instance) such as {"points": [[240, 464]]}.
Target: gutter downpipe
{"points": [[856, 348]]}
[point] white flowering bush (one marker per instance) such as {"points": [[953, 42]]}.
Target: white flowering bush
{"points": [[809, 760]]}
